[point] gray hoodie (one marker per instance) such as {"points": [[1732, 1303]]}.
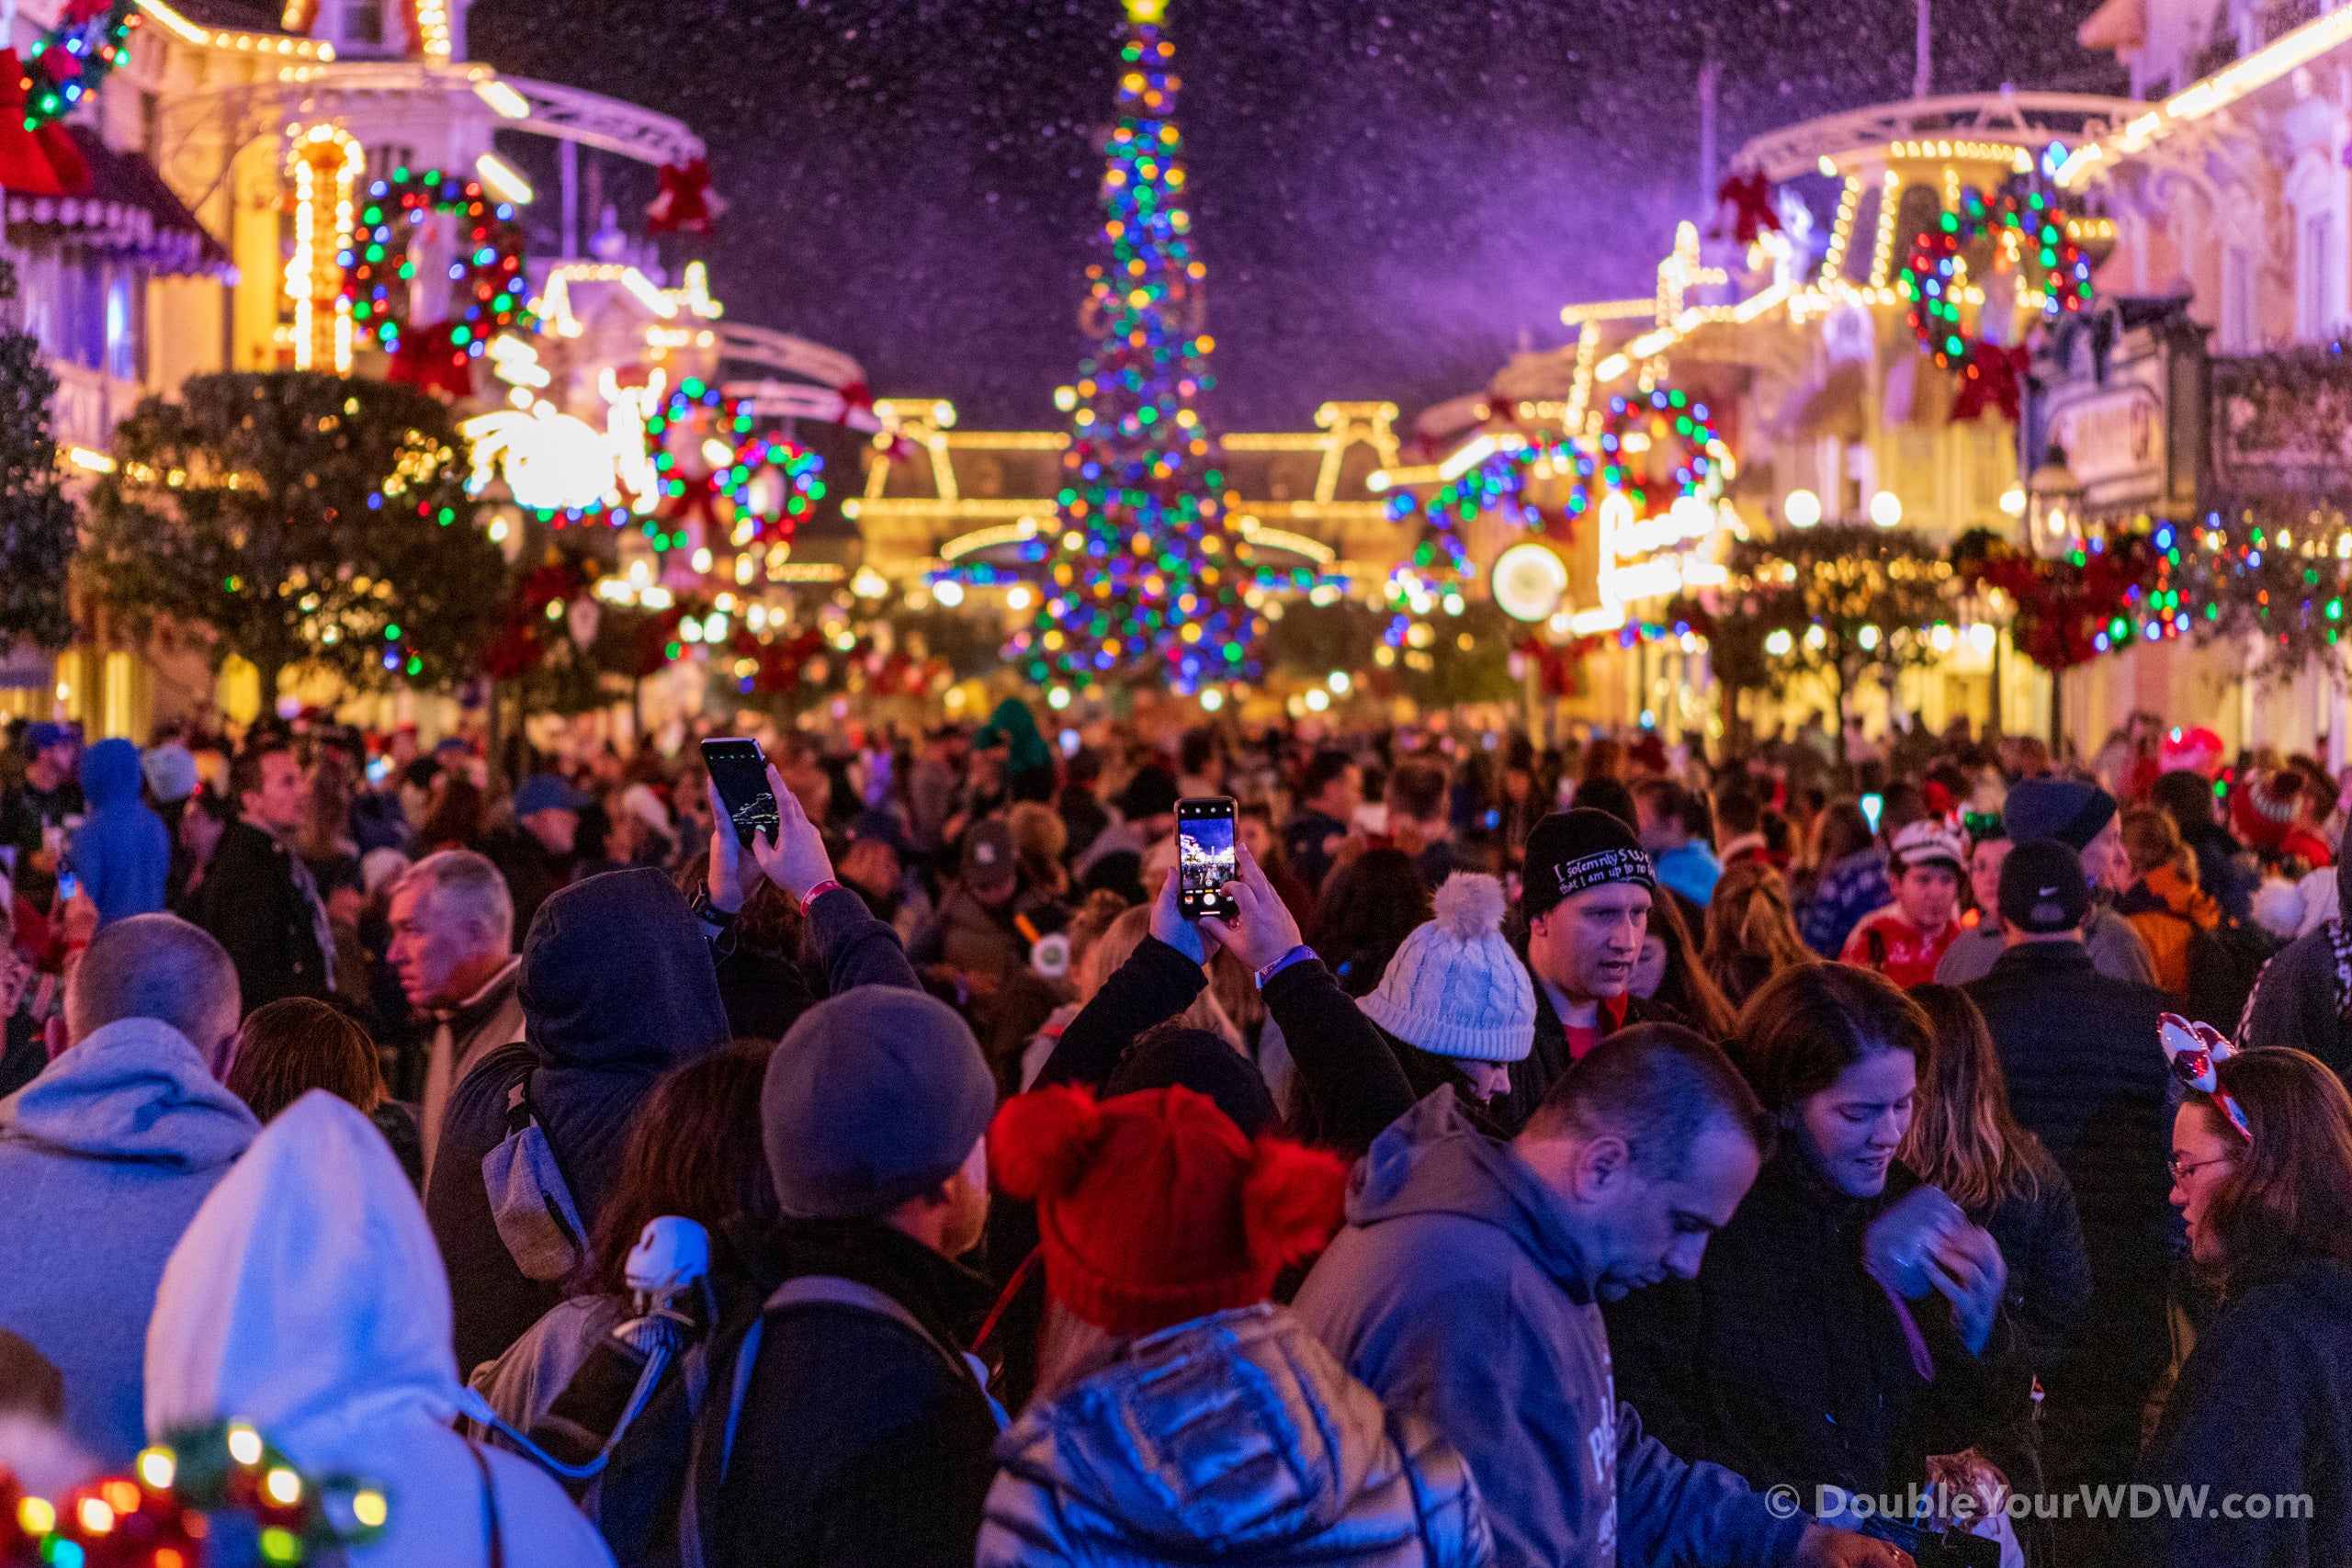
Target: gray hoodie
{"points": [[103, 1160], [1456, 1292]]}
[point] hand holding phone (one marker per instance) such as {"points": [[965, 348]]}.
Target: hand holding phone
{"points": [[1204, 856], [739, 771]]}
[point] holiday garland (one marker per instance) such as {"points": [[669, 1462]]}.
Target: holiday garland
{"points": [[158, 1517], [91, 38], [489, 269], [2020, 233]]}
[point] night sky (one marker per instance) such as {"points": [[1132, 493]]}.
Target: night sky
{"points": [[1390, 196]]}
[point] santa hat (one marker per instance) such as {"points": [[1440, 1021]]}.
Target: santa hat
{"points": [[1153, 1208]]}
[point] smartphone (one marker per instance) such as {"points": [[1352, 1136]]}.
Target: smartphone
{"points": [[740, 768], [1872, 805], [1204, 857], [69, 887]]}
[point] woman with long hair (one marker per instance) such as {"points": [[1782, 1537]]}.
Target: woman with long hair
{"points": [[1751, 931], [1367, 908], [1790, 1360], [694, 1150], [1964, 1141], [1668, 971], [2262, 1173]]}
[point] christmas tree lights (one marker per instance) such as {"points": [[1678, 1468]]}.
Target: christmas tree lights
{"points": [[1147, 571]]}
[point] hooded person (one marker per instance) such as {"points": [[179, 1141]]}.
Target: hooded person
{"points": [[105, 1156], [2083, 817], [2303, 997], [1164, 1228], [617, 987], [121, 851], [307, 1299]]}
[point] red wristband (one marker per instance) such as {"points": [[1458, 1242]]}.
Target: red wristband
{"points": [[816, 893]]}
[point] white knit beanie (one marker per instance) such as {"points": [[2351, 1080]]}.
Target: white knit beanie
{"points": [[1455, 988]]}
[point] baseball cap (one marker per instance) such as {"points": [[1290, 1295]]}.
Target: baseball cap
{"points": [[548, 791], [1930, 843], [2044, 890], [988, 854]]}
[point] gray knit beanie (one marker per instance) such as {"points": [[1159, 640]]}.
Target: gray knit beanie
{"points": [[1455, 988], [876, 1095]]}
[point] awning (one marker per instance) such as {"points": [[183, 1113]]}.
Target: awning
{"points": [[127, 208], [2116, 25]]}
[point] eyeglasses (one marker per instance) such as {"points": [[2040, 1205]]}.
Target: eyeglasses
{"points": [[2183, 1169]]}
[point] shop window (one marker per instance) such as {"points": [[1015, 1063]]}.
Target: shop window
{"points": [[2315, 265], [126, 326], [2238, 333]]}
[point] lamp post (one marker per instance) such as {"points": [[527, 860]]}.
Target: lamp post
{"points": [[2053, 499]]}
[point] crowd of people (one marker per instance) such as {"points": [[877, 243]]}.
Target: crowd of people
{"points": [[1553, 1155]]}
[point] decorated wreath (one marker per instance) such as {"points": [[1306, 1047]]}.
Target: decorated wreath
{"points": [[379, 262], [2010, 245], [91, 38]]}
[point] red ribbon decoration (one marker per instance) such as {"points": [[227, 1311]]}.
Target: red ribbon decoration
{"points": [[1750, 199], [24, 168], [427, 359], [686, 203], [1989, 380]]}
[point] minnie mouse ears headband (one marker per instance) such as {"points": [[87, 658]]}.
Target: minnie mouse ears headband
{"points": [[2196, 1050]]}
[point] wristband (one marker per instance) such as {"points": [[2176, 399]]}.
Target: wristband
{"points": [[1295, 955], [828, 886]]}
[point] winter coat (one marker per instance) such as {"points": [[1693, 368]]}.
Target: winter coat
{"points": [[1266, 1453], [2041, 1238], [1784, 1359], [1846, 892], [2263, 1408], [859, 1443], [2303, 998], [2168, 910], [2221, 869], [1551, 1055], [2116, 950], [2086, 1077], [104, 1157], [1691, 871], [121, 851], [253, 907], [617, 988], [307, 1299], [1457, 1294]]}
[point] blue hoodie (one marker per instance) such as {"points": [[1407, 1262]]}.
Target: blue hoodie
{"points": [[121, 851]]}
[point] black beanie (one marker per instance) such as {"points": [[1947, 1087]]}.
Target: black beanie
{"points": [[1571, 850]]}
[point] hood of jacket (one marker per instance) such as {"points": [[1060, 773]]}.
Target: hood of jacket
{"points": [[1237, 1429], [1433, 1160], [616, 973], [134, 1091], [306, 1297], [110, 773]]}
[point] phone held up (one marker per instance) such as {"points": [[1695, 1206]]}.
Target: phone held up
{"points": [[1204, 858], [740, 768]]}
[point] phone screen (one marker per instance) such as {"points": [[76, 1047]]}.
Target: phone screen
{"points": [[69, 887], [1871, 805], [1204, 856], [740, 768]]}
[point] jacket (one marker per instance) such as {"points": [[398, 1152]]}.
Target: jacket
{"points": [[121, 851], [532, 874], [617, 988], [1784, 1359], [253, 907], [859, 1443], [1691, 871], [2115, 948], [1456, 1293], [1266, 1453], [104, 1158], [2303, 998], [1551, 1054], [2263, 1408], [1845, 893], [2168, 910], [489, 1019], [307, 1299]]}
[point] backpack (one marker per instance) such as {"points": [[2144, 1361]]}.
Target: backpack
{"points": [[2223, 964], [529, 1199]]}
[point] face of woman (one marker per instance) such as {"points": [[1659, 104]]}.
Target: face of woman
{"points": [[2202, 1157], [1649, 969], [1256, 839], [1850, 1129]]}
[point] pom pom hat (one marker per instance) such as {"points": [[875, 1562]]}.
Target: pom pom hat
{"points": [[1154, 1208], [1455, 988]]}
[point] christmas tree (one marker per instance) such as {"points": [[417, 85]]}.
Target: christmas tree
{"points": [[36, 518], [1145, 576]]}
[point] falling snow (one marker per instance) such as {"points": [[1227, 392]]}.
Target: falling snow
{"points": [[1389, 202]]}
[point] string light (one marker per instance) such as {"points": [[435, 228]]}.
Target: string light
{"points": [[325, 161], [379, 259], [1883, 254]]}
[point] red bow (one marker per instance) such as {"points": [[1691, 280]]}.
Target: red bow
{"points": [[74, 13], [699, 498], [686, 203], [427, 359], [1990, 380], [1750, 198]]}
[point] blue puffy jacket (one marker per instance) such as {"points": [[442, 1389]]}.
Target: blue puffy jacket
{"points": [[1236, 1439]]}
